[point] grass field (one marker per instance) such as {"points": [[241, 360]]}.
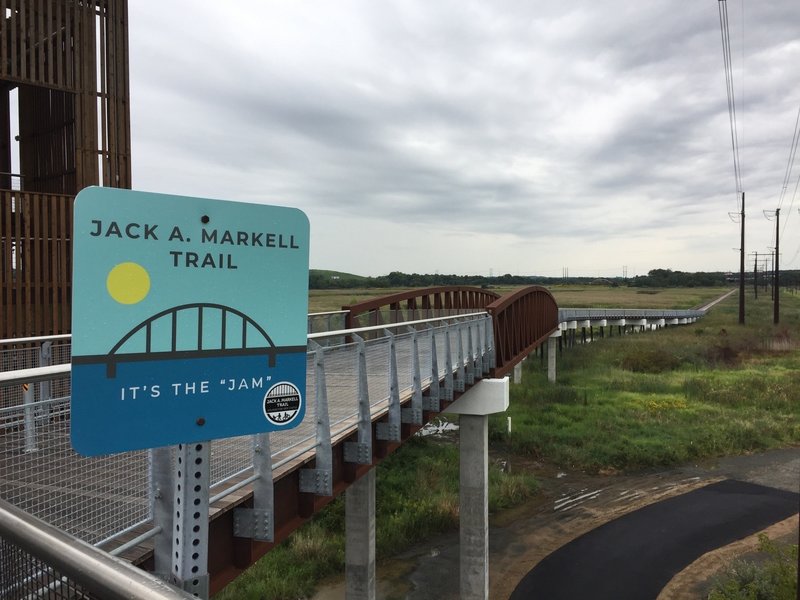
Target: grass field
{"points": [[620, 404], [663, 398]]}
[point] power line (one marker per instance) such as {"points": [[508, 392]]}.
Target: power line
{"points": [[726, 55], [790, 162], [788, 175]]}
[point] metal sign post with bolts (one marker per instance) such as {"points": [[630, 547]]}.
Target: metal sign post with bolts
{"points": [[190, 519]]}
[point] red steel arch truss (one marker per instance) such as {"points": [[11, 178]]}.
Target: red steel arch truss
{"points": [[522, 321]]}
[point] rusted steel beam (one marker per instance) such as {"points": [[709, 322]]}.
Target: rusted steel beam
{"points": [[522, 321], [444, 297]]}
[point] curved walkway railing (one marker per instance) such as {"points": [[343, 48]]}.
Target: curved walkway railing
{"points": [[598, 314], [522, 321]]}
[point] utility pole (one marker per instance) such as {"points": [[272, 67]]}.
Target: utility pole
{"points": [[755, 276], [776, 290], [741, 270], [776, 316], [767, 271]]}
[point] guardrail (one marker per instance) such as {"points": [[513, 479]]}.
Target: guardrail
{"points": [[41, 561], [596, 314]]}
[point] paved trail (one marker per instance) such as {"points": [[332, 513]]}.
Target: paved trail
{"points": [[570, 505]]}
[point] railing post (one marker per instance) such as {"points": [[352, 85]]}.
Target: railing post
{"points": [[190, 531], [319, 480], [449, 384], [490, 345], [390, 431], [258, 523], [470, 368], [360, 452], [413, 415], [30, 417], [460, 380], [45, 394], [431, 402]]}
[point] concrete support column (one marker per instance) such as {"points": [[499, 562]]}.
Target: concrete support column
{"points": [[518, 373], [551, 360], [488, 396], [360, 538], [474, 506]]}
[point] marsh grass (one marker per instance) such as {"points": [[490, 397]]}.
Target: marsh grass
{"points": [[416, 498], [666, 397]]}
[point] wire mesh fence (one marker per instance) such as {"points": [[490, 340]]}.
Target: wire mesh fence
{"points": [[24, 577]]}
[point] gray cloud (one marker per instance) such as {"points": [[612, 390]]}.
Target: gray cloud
{"points": [[503, 124]]}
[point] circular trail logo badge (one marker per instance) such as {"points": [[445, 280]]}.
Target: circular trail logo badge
{"points": [[282, 403]]}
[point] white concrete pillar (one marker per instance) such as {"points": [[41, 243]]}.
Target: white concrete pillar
{"points": [[486, 397], [518, 373], [474, 506], [360, 538], [551, 359]]}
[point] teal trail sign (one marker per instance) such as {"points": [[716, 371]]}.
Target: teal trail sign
{"points": [[189, 319]]}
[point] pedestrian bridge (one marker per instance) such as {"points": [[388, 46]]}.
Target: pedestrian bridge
{"points": [[377, 372]]}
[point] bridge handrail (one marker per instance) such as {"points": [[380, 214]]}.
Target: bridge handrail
{"points": [[95, 571], [34, 339], [342, 332], [36, 374], [573, 314], [328, 312]]}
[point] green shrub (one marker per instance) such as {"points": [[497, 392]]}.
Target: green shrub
{"points": [[651, 360], [775, 579]]}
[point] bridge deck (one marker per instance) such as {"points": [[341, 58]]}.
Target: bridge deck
{"points": [[106, 500]]}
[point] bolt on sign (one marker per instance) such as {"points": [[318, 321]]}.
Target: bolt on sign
{"points": [[189, 319]]}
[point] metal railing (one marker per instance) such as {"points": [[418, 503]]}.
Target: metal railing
{"points": [[596, 314], [99, 499], [41, 561]]}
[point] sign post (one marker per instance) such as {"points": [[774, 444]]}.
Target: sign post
{"points": [[189, 324]]}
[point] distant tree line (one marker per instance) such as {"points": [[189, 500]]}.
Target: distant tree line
{"points": [[322, 280], [666, 278]]}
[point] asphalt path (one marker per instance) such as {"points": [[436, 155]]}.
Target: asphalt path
{"points": [[634, 557]]}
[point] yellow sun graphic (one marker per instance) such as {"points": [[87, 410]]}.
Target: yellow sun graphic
{"points": [[128, 283]]}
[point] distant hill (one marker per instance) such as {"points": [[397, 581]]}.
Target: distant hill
{"points": [[321, 279]]}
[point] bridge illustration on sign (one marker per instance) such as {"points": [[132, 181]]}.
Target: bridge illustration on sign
{"points": [[232, 324]]}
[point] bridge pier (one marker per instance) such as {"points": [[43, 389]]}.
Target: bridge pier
{"points": [[360, 538], [551, 356], [486, 397]]}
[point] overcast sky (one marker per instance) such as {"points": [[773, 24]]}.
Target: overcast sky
{"points": [[475, 137]]}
